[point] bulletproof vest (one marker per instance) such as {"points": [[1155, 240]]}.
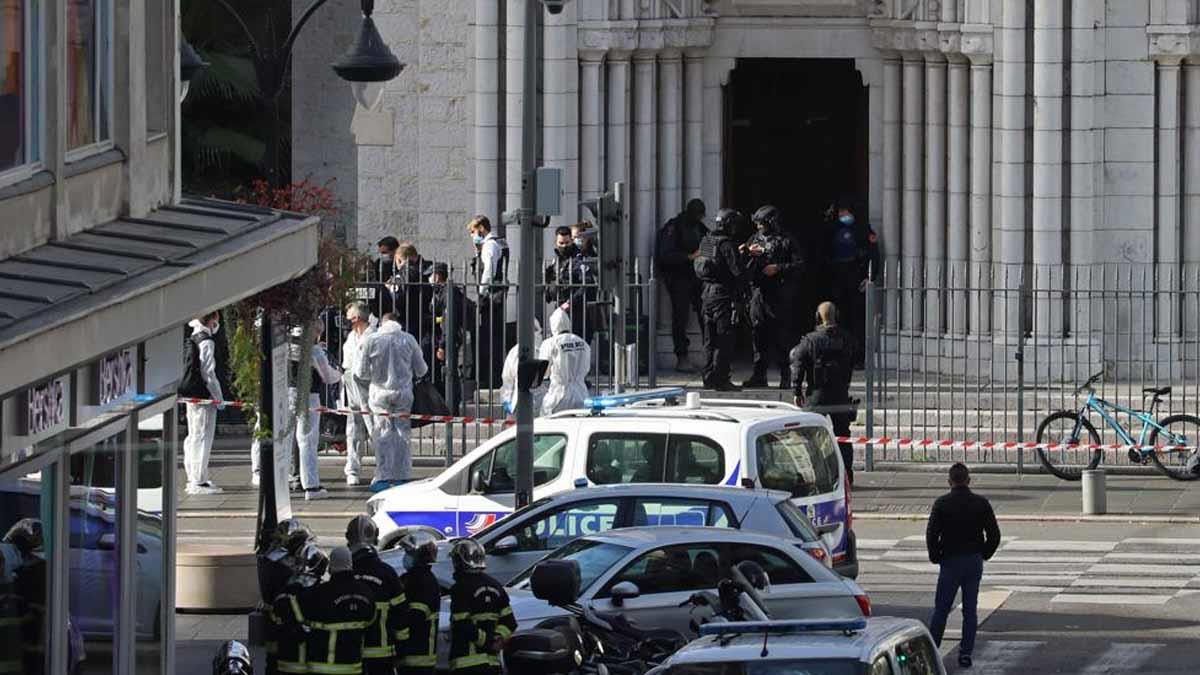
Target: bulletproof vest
{"points": [[832, 355], [845, 243], [707, 265], [314, 385], [192, 383], [501, 271]]}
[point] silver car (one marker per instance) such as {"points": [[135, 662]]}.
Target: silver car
{"points": [[517, 541]]}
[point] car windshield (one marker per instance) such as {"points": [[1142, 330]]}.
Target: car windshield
{"points": [[785, 667], [594, 558], [796, 520], [802, 461], [537, 504]]}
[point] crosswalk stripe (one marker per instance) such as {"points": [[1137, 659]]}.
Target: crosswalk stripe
{"points": [[1122, 658], [1110, 582], [1132, 569], [996, 657], [1052, 546], [1175, 557], [1111, 599], [1162, 541]]}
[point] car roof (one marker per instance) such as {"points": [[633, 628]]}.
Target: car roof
{"points": [[668, 536], [824, 644], [726, 410], [726, 492]]}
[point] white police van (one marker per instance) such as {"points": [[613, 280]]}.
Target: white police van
{"points": [[644, 437]]}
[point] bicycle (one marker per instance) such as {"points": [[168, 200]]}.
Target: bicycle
{"points": [[1169, 450]]}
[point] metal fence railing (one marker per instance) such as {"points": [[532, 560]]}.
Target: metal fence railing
{"points": [[985, 355]]}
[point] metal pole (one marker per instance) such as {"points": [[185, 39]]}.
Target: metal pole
{"points": [[526, 305], [869, 363], [267, 516], [450, 339]]}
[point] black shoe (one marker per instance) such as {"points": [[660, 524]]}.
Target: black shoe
{"points": [[755, 381], [727, 386], [785, 382], [964, 661]]}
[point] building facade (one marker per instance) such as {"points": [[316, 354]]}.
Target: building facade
{"points": [[1041, 146], [102, 263]]}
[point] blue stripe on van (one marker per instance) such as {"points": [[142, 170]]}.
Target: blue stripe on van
{"points": [[733, 478]]}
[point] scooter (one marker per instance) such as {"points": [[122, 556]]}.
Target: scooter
{"points": [[738, 597]]}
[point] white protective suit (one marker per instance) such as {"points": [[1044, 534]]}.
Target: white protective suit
{"points": [[202, 419], [508, 378], [359, 428], [309, 441], [570, 360], [391, 360]]}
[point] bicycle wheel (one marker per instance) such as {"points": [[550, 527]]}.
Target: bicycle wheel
{"points": [[1067, 463], [1178, 430]]}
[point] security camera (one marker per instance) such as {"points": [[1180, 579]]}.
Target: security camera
{"points": [[554, 6]]}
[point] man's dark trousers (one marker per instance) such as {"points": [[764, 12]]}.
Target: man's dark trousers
{"points": [[719, 339], [684, 292], [965, 572]]}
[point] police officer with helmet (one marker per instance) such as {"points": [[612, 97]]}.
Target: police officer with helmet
{"points": [[822, 365], [387, 630], [418, 654], [719, 267], [291, 624], [774, 268], [275, 569], [481, 618]]}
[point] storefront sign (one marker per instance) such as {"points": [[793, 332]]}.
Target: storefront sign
{"points": [[115, 376], [44, 408]]}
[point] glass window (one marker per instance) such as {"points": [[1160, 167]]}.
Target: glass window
{"points": [[679, 512], [558, 528], [20, 83], [882, 666], [150, 567], [672, 569], [917, 656], [24, 644], [594, 558], [626, 458], [94, 540], [499, 467], [780, 568], [771, 667], [692, 459], [89, 72], [796, 521], [802, 461]]}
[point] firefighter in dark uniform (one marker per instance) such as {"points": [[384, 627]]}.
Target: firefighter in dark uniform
{"points": [[773, 267], [291, 625], [382, 636], [338, 613], [676, 249], [481, 619], [275, 568], [418, 654], [29, 582], [854, 256], [719, 267], [822, 365]]}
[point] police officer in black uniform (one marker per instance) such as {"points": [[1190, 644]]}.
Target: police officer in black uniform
{"points": [[854, 256], [719, 267], [29, 583], [822, 365], [676, 249], [481, 618], [774, 267], [338, 613], [418, 654], [387, 631]]}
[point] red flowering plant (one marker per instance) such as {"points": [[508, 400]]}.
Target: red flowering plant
{"points": [[298, 302]]}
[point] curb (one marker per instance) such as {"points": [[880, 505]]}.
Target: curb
{"points": [[1029, 469], [1047, 518]]}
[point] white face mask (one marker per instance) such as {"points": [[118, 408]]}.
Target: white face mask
{"points": [[215, 327]]}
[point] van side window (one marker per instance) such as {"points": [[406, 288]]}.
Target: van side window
{"points": [[626, 458], [801, 460], [499, 467], [695, 460]]}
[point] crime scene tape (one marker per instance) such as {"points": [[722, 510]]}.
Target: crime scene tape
{"points": [[449, 419], [946, 444]]}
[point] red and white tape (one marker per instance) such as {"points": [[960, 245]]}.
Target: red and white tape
{"points": [[449, 419], [947, 444]]}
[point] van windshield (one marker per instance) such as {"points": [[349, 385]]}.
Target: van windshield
{"points": [[802, 461]]}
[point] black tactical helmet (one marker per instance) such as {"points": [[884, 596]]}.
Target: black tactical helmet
{"points": [[293, 535], [25, 535], [420, 548], [754, 574], [233, 659], [468, 556], [728, 221], [362, 532], [695, 209], [768, 217], [313, 561]]}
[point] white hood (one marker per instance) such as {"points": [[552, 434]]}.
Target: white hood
{"points": [[560, 322]]}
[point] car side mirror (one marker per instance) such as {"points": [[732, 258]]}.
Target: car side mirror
{"points": [[827, 528], [479, 482], [626, 590], [506, 545]]}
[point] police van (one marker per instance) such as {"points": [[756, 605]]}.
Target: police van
{"points": [[657, 436]]}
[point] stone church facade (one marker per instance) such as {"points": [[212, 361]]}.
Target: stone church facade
{"points": [[979, 136]]}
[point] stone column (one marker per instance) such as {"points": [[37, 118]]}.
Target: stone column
{"points": [[981, 194], [560, 108], [1169, 235], [645, 154], [693, 115], [487, 109], [1191, 191], [890, 227], [1048, 166], [716, 76], [670, 158], [591, 117], [617, 155], [958, 176], [1010, 156], [933, 275], [912, 227]]}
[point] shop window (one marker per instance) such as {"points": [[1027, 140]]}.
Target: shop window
{"points": [[20, 86], [26, 503], [94, 543], [89, 74]]}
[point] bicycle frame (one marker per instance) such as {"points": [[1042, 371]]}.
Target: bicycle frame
{"points": [[1103, 407]]}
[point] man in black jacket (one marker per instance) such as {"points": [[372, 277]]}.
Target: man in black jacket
{"points": [[961, 534], [822, 366], [720, 270], [678, 245]]}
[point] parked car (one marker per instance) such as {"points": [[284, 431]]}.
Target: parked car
{"points": [[875, 646], [524, 537], [646, 437]]}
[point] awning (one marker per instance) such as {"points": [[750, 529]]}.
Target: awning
{"points": [[69, 302]]}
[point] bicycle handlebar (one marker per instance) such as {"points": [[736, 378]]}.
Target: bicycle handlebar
{"points": [[1087, 386]]}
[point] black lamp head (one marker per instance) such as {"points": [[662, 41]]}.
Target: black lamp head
{"points": [[369, 59], [555, 6], [190, 65]]}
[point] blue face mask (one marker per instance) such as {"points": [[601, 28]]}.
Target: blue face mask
{"points": [[579, 242], [846, 219], [477, 239]]}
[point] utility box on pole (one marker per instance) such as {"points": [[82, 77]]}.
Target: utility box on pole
{"points": [[610, 215]]}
